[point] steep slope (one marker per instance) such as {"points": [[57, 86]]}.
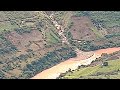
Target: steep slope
{"points": [[31, 38], [82, 29], [28, 39], [92, 30]]}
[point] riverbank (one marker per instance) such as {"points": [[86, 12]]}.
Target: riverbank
{"points": [[72, 64]]}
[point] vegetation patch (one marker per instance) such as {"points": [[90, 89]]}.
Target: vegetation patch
{"points": [[49, 60]]}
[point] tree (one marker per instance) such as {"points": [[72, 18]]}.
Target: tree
{"points": [[69, 70], [105, 64], [79, 67]]}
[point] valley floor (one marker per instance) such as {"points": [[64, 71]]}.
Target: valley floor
{"points": [[83, 58]]}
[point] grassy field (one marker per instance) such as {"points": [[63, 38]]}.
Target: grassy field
{"points": [[97, 33], [52, 37], [7, 26], [90, 72], [81, 72], [67, 20]]}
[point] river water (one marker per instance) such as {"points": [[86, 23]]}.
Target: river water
{"points": [[72, 63]]}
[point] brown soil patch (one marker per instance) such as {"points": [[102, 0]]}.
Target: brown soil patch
{"points": [[15, 72], [81, 28], [23, 41], [84, 55]]}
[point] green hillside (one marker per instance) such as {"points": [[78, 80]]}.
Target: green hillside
{"points": [[97, 72], [31, 43]]}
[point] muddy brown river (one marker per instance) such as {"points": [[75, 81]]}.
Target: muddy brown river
{"points": [[72, 63]]}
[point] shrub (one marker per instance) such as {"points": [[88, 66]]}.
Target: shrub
{"points": [[105, 63]]}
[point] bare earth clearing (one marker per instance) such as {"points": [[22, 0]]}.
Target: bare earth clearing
{"points": [[83, 58]]}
